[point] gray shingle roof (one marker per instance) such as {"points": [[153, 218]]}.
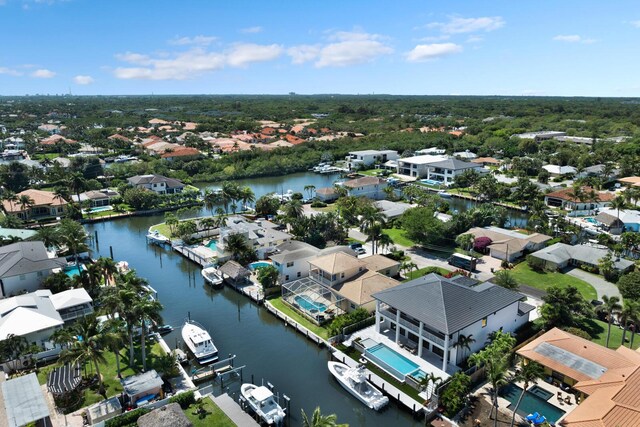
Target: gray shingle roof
{"points": [[151, 179], [444, 305], [561, 252], [26, 257], [454, 164]]}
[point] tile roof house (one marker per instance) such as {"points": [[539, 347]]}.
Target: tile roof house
{"points": [[368, 186], [590, 202], [433, 312], [326, 194], [157, 183], [508, 244], [561, 255], [45, 205], [181, 153], [291, 258], [23, 267]]}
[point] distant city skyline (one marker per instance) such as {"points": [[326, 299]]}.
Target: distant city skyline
{"points": [[548, 48]]}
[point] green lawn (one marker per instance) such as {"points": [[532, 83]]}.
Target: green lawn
{"points": [[526, 276], [41, 156], [399, 237], [162, 228], [109, 372], [328, 208], [598, 331], [280, 305], [424, 271], [371, 172], [214, 417]]}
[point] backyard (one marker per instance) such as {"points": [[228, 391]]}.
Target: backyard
{"points": [[280, 305], [524, 275], [598, 331], [399, 237], [212, 415]]}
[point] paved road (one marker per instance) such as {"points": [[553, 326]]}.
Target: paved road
{"points": [[601, 286]]}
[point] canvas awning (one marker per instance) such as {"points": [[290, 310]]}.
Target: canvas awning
{"points": [[64, 379]]}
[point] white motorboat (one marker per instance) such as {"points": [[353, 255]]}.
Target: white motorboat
{"points": [[444, 194], [211, 276], [355, 381], [263, 403], [157, 238], [199, 342]]}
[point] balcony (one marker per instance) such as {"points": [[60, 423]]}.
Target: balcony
{"points": [[74, 314]]}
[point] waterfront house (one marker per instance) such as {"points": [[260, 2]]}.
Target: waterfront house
{"points": [[561, 255], [326, 194], [157, 183], [23, 267], [24, 402], [432, 313], [96, 198], [437, 168], [487, 161], [264, 236], [509, 245], [291, 258], [45, 205], [392, 210], [556, 170], [365, 158], [234, 273], [609, 379], [586, 203], [182, 153], [628, 218], [72, 304], [465, 155], [367, 186]]}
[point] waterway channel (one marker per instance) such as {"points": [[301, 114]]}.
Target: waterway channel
{"points": [[268, 348]]}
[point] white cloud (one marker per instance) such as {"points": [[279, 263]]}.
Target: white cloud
{"points": [[195, 40], [635, 23], [474, 39], [83, 80], [251, 30], [192, 63], [43, 73], [344, 48], [459, 25], [573, 38], [425, 52], [10, 71]]}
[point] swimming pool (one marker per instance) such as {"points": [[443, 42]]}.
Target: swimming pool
{"points": [[308, 304], [430, 182], [398, 365], [98, 209], [258, 264], [540, 392], [213, 245], [72, 270], [592, 220], [530, 403]]}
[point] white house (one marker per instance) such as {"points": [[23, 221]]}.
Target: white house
{"points": [[292, 258], [555, 170], [438, 168], [264, 236], [365, 158], [157, 183], [585, 203], [433, 313], [23, 267], [367, 186]]}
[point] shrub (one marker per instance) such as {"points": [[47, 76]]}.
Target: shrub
{"points": [[183, 399], [127, 419], [578, 332], [348, 319], [454, 395], [318, 204], [629, 285], [480, 244], [395, 254]]}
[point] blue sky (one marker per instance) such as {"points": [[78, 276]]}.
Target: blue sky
{"points": [[470, 47]]}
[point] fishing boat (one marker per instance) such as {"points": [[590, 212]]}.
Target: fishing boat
{"points": [[157, 238], [199, 342], [444, 194], [263, 403], [355, 381], [211, 276], [164, 329]]}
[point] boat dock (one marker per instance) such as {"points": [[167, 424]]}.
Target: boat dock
{"points": [[288, 321], [234, 411], [389, 389]]}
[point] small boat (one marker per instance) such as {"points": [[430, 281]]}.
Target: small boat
{"points": [[180, 356], [157, 238], [355, 381], [263, 403], [444, 194], [164, 329], [211, 276], [199, 342]]}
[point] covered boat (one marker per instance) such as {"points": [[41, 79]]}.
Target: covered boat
{"points": [[263, 403], [199, 342], [211, 276], [355, 381]]}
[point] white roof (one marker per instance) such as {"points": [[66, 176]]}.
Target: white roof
{"points": [[424, 159], [24, 400], [627, 216], [261, 393], [70, 298], [23, 321], [559, 170]]}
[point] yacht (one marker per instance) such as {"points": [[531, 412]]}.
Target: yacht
{"points": [[355, 381], [263, 403], [211, 276], [157, 238], [199, 342]]}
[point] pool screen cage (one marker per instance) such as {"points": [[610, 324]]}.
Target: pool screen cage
{"points": [[316, 302]]}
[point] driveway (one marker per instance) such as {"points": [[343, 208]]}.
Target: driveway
{"points": [[601, 286]]}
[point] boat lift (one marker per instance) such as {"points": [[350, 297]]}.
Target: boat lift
{"points": [[221, 369], [280, 399]]}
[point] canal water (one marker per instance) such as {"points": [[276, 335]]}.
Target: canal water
{"points": [[269, 349]]}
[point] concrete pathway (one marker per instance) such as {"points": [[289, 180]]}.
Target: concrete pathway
{"points": [[233, 411], [601, 286]]}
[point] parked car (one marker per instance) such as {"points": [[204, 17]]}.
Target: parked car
{"points": [[360, 250]]}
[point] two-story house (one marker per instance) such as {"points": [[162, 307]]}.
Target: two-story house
{"points": [[437, 168], [157, 183], [433, 313], [365, 158], [368, 186], [43, 204], [264, 236], [292, 257]]}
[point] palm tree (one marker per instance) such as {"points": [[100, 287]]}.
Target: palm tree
{"points": [[407, 267], [371, 224], [611, 306], [11, 198], [310, 189], [629, 313], [464, 343], [148, 312], [73, 236], [246, 196], [25, 203], [77, 184], [618, 203], [529, 374], [505, 279], [384, 241], [12, 348], [319, 420], [87, 346], [465, 241], [61, 194], [212, 199], [430, 378], [115, 334], [108, 268], [49, 236], [293, 210], [228, 194]]}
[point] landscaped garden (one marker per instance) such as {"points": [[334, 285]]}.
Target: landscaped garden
{"points": [[283, 307], [207, 414], [525, 275]]}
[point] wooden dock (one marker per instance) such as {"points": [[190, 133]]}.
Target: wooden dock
{"points": [[389, 389]]}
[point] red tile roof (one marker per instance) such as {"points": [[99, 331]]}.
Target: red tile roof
{"points": [[567, 194], [182, 152]]}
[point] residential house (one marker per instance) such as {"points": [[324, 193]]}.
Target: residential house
{"points": [[392, 210], [597, 171], [264, 236], [610, 223], [433, 313], [367, 186], [24, 402], [561, 255], [72, 304], [96, 198], [465, 155], [487, 161], [45, 205], [431, 150], [326, 194], [539, 136], [157, 183], [182, 153], [629, 219], [556, 170], [439, 168], [509, 245], [630, 181], [23, 267], [586, 203], [365, 158], [291, 258], [609, 379]]}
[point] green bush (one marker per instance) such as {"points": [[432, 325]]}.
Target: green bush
{"points": [[318, 204], [578, 332], [454, 395], [183, 399], [344, 320], [127, 419]]}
